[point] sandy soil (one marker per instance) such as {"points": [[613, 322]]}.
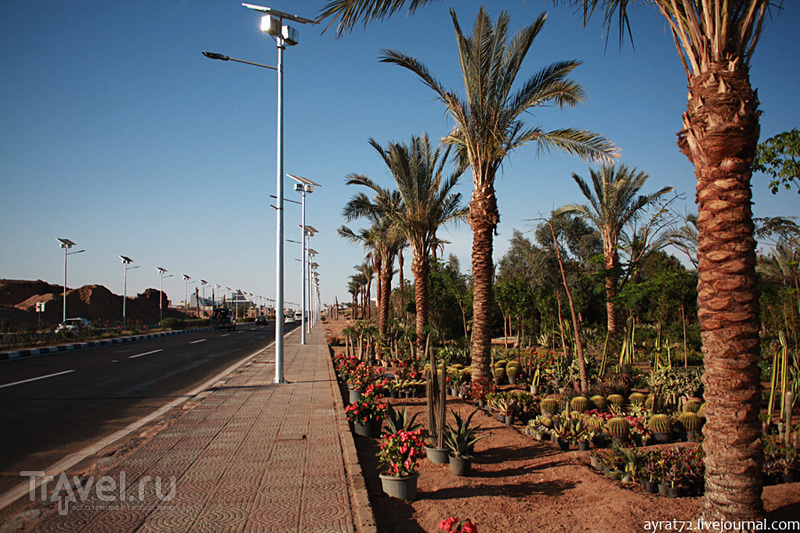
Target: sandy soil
{"points": [[523, 485]]}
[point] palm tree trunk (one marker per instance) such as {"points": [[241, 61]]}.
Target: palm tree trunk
{"points": [[386, 291], [611, 289], [720, 136], [420, 268], [378, 266], [483, 218]]}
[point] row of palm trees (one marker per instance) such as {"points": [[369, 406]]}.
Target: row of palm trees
{"points": [[715, 40]]}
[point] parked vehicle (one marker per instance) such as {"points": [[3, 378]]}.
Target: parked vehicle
{"points": [[223, 319], [261, 320], [289, 319], [74, 325]]}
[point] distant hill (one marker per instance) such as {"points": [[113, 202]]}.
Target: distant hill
{"points": [[18, 299]]}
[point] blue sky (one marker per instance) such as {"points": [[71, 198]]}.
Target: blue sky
{"points": [[118, 134]]}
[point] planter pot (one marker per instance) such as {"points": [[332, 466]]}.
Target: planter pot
{"points": [[583, 445], [534, 389], [563, 445], [619, 441], [395, 394], [371, 430], [663, 438], [626, 479], [651, 487], [693, 436], [674, 492], [500, 418], [439, 456], [353, 395], [662, 489], [595, 462], [538, 435], [459, 466], [512, 380], [788, 478], [509, 420], [402, 488]]}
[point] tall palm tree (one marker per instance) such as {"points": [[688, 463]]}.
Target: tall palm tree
{"points": [[489, 125], [614, 202], [715, 40], [384, 241], [427, 202]]}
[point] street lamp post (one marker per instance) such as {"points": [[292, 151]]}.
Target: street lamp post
{"points": [[161, 276], [311, 253], [204, 283], [66, 244], [126, 262], [186, 279], [285, 35], [304, 186]]}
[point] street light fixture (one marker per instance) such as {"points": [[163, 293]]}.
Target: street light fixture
{"points": [[304, 186], [126, 262], [161, 276], [186, 279], [66, 244], [204, 283], [272, 23]]}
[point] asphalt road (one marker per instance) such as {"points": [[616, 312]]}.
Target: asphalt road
{"points": [[54, 405]]}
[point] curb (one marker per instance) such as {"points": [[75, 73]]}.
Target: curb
{"points": [[362, 511], [10, 356]]}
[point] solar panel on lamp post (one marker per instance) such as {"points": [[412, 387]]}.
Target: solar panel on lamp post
{"points": [[161, 276], [304, 186], [126, 262], [66, 244], [284, 35]]}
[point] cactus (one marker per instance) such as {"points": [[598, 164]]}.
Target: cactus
{"points": [[599, 402], [512, 371], [547, 421], [617, 399], [549, 405], [701, 412], [499, 373], [692, 406], [660, 424], [690, 422], [500, 363], [579, 403], [618, 427], [637, 398]]}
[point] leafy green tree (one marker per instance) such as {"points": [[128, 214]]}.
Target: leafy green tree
{"points": [[489, 126], [779, 156]]}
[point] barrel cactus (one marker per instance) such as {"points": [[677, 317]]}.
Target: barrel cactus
{"points": [[579, 403], [690, 422], [618, 427], [512, 370], [616, 399], [499, 373], [500, 363], [637, 398], [599, 402], [549, 405], [692, 406], [702, 411], [660, 424]]}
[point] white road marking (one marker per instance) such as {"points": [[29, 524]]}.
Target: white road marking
{"points": [[201, 340], [225, 335], [36, 379], [145, 353]]}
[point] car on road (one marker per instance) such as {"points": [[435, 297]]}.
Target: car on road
{"points": [[289, 319], [298, 317], [223, 319], [74, 325], [261, 320]]}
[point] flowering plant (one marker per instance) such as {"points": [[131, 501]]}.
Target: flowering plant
{"points": [[479, 388], [360, 377], [452, 525], [345, 364], [400, 452], [369, 408]]}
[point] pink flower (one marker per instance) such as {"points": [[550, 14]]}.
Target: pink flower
{"points": [[469, 527], [447, 524]]}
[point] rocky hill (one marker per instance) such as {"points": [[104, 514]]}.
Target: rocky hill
{"points": [[18, 299]]}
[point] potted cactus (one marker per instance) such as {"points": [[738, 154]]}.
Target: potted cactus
{"points": [[691, 424], [661, 426], [512, 371], [579, 404], [499, 375], [637, 398], [619, 429], [549, 406], [617, 400], [599, 402]]}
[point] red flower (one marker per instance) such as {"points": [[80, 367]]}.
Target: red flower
{"points": [[447, 524], [469, 527]]}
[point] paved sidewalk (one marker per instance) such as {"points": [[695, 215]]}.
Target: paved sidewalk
{"points": [[249, 456]]}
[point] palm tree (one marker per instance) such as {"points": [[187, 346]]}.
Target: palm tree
{"points": [[488, 126], [614, 202], [715, 40], [427, 202], [383, 239]]}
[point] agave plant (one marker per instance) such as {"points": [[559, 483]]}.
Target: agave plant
{"points": [[397, 421], [461, 439]]}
